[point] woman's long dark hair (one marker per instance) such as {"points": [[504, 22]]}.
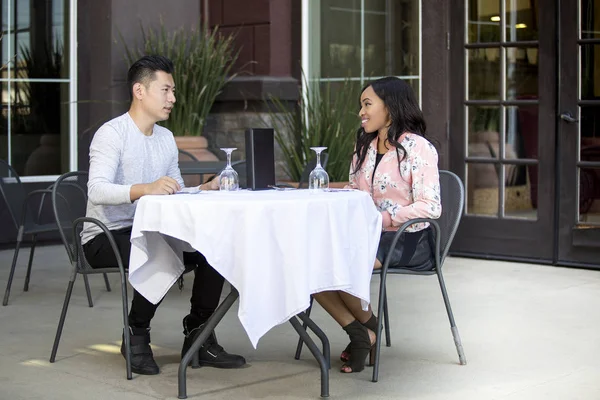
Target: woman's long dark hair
{"points": [[405, 116]]}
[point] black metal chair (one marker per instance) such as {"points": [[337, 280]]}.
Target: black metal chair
{"points": [[453, 195], [26, 221], [312, 163], [186, 156], [69, 199]]}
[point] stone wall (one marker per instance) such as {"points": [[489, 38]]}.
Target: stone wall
{"points": [[227, 129]]}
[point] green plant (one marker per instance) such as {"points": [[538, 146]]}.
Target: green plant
{"points": [[328, 116], [203, 59]]}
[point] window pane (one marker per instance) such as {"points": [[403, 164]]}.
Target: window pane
{"points": [[482, 189], [483, 21], [590, 19], [589, 195], [520, 200], [39, 50], [484, 74], [521, 132], [483, 131], [521, 20], [590, 72], [39, 127], [340, 38], [521, 73]]}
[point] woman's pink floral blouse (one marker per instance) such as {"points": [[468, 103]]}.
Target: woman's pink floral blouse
{"points": [[406, 192]]}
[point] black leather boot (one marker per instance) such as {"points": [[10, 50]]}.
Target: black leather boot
{"points": [[211, 354], [142, 359]]}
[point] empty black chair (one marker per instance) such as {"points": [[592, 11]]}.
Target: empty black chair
{"points": [[25, 213]]}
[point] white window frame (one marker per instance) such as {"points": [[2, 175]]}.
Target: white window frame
{"points": [[72, 81]]}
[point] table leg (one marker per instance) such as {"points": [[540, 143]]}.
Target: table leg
{"points": [[323, 362], [211, 323], [320, 334]]}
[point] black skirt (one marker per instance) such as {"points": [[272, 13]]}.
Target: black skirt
{"points": [[414, 250]]}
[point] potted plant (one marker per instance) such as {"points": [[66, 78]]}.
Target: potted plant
{"points": [[203, 60], [328, 117]]}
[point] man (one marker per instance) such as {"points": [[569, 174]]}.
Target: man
{"points": [[131, 156]]}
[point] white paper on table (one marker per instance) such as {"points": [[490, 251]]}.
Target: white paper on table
{"points": [[189, 190]]}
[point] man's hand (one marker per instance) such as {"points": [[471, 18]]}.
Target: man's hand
{"points": [[164, 185]]}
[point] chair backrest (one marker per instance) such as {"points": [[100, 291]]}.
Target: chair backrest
{"points": [[453, 201], [312, 163], [69, 202], [12, 192], [186, 156]]}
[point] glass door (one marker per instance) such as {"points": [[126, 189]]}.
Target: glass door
{"points": [[502, 126], [579, 133]]}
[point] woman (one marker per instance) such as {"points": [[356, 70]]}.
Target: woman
{"points": [[396, 164]]}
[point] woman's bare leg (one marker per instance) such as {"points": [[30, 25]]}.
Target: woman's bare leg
{"points": [[335, 306], [377, 264], [353, 304]]}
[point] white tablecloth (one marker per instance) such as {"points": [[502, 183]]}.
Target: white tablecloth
{"points": [[275, 247]]}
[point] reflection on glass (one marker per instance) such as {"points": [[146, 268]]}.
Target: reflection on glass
{"points": [[521, 20], [589, 125], [521, 73], [521, 132], [484, 74], [590, 19], [391, 38], [590, 72], [39, 127], [482, 189], [340, 38], [518, 194], [483, 21], [483, 131], [404, 38], [589, 195]]}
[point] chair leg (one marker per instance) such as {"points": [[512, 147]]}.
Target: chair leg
{"points": [[300, 341], [87, 290], [459, 348], [63, 314], [126, 330], [380, 311], [26, 285], [107, 283], [12, 271], [386, 317]]}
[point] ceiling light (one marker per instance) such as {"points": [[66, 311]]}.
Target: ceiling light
{"points": [[495, 18], [520, 26]]}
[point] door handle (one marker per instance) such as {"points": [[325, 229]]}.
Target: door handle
{"points": [[568, 118]]}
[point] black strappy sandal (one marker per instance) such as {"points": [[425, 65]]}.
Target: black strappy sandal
{"points": [[371, 324], [360, 346]]}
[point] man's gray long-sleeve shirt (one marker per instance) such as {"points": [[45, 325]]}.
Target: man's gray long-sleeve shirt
{"points": [[122, 156]]}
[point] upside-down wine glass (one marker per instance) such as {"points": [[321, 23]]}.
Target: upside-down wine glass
{"points": [[318, 179], [228, 178]]}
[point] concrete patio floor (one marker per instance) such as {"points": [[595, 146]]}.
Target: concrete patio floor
{"points": [[529, 332]]}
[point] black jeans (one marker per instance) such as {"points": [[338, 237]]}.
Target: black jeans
{"points": [[206, 291]]}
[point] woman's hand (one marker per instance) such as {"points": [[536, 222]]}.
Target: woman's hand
{"points": [[213, 184]]}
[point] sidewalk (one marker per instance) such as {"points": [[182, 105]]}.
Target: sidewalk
{"points": [[529, 332]]}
